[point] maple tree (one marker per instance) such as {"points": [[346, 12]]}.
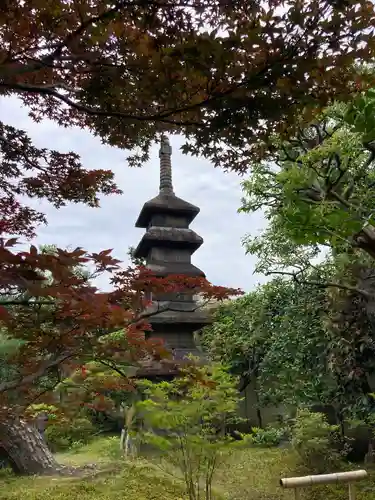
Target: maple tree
{"points": [[224, 73], [50, 308], [60, 320]]}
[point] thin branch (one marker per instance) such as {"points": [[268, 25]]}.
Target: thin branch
{"points": [[337, 235], [28, 379], [109, 365], [26, 303], [160, 309], [40, 394], [50, 58], [343, 201], [323, 284], [288, 156], [163, 116], [47, 90]]}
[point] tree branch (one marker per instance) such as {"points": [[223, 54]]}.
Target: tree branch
{"points": [[50, 58], [281, 58], [323, 284], [109, 365], [166, 308], [50, 90], [26, 303], [28, 379]]}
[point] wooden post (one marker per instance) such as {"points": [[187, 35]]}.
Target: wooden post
{"points": [[351, 491], [296, 494]]}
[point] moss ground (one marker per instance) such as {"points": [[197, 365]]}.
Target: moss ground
{"points": [[252, 474]]}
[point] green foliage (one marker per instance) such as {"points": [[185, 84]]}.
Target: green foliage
{"points": [[361, 114], [268, 437], [293, 370], [275, 336], [8, 347], [242, 330], [319, 193], [350, 321], [302, 343], [185, 420], [238, 332], [36, 409], [319, 190], [66, 434], [136, 261], [315, 442]]}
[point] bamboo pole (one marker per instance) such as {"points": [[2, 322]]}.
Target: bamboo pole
{"points": [[339, 477]]}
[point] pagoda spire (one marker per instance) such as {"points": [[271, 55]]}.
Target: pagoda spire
{"points": [[167, 246], [165, 154]]}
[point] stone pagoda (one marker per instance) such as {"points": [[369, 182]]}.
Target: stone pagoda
{"points": [[167, 247]]}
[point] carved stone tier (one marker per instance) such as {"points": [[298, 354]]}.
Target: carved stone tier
{"points": [[167, 205], [168, 238]]}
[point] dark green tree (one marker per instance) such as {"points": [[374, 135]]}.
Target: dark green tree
{"points": [[300, 344]]}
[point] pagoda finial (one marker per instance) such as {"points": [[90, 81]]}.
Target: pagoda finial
{"points": [[165, 153]]}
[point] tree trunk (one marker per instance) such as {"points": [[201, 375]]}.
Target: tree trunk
{"points": [[122, 440], [365, 240], [25, 449]]}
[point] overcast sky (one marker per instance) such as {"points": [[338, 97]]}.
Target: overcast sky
{"points": [[217, 194]]}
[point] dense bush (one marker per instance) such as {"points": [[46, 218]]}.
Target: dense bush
{"points": [[270, 436], [66, 434], [316, 442]]}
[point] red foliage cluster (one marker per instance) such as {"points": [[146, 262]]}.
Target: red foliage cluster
{"points": [[30, 172], [61, 318], [227, 74]]}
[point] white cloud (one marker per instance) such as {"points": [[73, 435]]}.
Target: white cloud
{"points": [[112, 226]]}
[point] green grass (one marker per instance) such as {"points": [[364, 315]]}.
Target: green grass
{"points": [[130, 483], [252, 474], [116, 479], [255, 473]]}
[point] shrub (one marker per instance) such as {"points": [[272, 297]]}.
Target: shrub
{"points": [[189, 415], [316, 442], [270, 436], [67, 434], [109, 448]]}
